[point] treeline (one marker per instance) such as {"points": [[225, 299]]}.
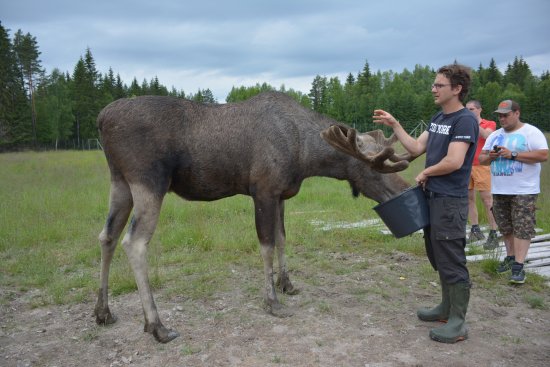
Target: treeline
{"points": [[407, 95], [58, 110]]}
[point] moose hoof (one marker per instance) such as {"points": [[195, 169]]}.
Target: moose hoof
{"points": [[278, 310], [161, 333], [105, 318], [285, 286], [291, 291]]}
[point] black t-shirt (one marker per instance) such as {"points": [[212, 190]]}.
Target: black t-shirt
{"points": [[444, 129]]}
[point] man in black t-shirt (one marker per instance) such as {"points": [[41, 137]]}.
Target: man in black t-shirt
{"points": [[449, 143]]}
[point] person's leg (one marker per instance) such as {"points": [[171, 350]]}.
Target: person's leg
{"points": [[521, 248], [523, 219], [473, 216], [492, 239], [506, 264], [472, 208], [441, 311], [449, 242], [487, 200], [502, 209], [483, 186], [455, 329], [523, 214], [509, 244]]}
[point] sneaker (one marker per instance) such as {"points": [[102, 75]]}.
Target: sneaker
{"points": [[492, 241], [506, 264], [518, 274], [476, 234]]}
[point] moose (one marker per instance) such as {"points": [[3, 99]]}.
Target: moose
{"points": [[263, 147]]}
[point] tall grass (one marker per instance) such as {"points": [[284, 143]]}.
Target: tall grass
{"points": [[54, 204]]}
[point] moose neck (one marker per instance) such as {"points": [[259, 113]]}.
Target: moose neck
{"points": [[328, 162]]}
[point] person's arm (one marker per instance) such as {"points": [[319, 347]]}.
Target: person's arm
{"points": [[486, 157], [450, 163], [534, 156], [414, 146], [485, 132]]}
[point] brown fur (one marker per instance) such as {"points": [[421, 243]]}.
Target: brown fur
{"points": [[264, 147]]}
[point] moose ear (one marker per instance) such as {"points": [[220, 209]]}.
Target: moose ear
{"points": [[371, 147]]}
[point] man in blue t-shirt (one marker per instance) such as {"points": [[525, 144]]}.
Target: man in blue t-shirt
{"points": [[449, 143]]}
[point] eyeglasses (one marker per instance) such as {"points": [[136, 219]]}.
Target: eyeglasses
{"points": [[439, 86]]}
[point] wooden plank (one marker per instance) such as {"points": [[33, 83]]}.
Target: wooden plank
{"points": [[537, 256], [534, 250], [501, 256], [501, 245], [540, 244], [479, 257], [541, 238], [544, 271], [538, 263], [485, 230]]}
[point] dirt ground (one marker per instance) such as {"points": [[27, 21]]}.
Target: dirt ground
{"points": [[361, 319]]}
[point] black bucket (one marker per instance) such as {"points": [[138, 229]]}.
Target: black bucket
{"points": [[405, 213]]}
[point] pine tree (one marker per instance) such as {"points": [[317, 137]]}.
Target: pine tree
{"points": [[135, 89], [14, 106], [318, 94], [86, 99], [54, 109], [335, 99], [492, 73], [518, 73], [204, 96], [119, 91], [26, 52], [145, 90]]}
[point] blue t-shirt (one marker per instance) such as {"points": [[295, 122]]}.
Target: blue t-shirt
{"points": [[443, 130]]}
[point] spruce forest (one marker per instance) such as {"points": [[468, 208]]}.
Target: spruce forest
{"points": [[58, 110]]}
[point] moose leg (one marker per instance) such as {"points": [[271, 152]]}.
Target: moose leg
{"points": [[146, 212], [120, 205], [283, 280], [266, 213]]}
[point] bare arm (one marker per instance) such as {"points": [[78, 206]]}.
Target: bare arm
{"points": [[486, 157], [450, 163], [484, 133], [535, 156], [414, 146]]}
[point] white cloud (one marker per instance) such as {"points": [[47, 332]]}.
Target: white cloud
{"points": [[218, 45]]}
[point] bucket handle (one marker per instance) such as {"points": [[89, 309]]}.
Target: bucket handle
{"points": [[411, 188]]}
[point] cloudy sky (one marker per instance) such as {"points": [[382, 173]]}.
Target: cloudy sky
{"points": [[220, 44]]}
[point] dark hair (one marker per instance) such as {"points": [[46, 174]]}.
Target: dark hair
{"points": [[458, 75]]}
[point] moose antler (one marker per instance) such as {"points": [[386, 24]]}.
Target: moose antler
{"points": [[371, 147]]}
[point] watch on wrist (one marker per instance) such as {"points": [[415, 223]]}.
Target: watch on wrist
{"points": [[514, 155]]}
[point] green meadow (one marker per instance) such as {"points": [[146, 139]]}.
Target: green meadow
{"points": [[53, 206]]}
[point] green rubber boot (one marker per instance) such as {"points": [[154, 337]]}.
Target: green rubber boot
{"points": [[439, 312], [455, 329]]}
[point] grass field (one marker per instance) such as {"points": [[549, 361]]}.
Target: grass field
{"points": [[54, 204]]}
